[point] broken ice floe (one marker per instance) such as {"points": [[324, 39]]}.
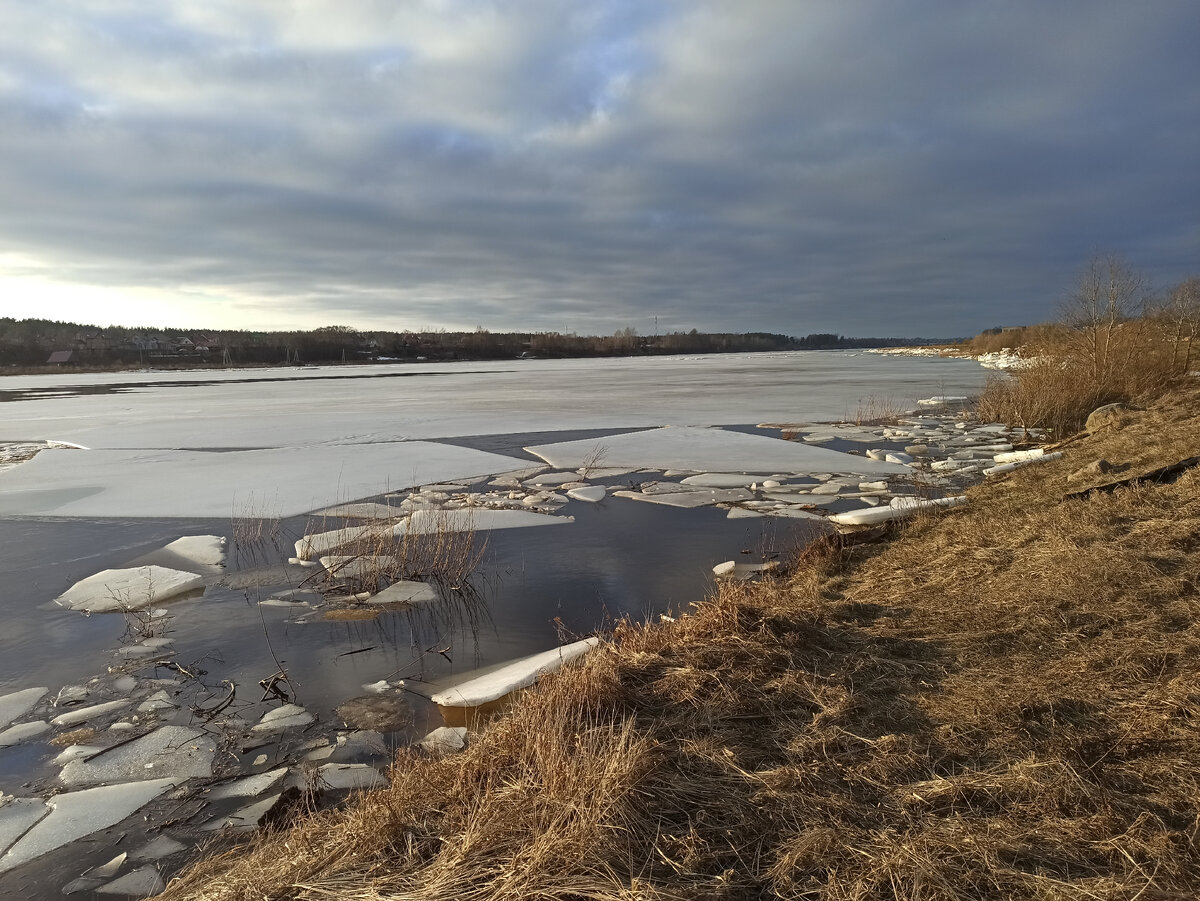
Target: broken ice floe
{"points": [[357, 776], [203, 550], [690, 498], [707, 450], [731, 569], [444, 740], [14, 735], [169, 751], [405, 592], [83, 714], [906, 507], [589, 493], [1009, 464], [128, 589], [15, 705], [248, 786], [289, 716], [73, 815], [458, 701], [424, 522], [142, 883]]}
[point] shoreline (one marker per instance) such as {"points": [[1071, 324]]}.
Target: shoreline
{"points": [[841, 693]]}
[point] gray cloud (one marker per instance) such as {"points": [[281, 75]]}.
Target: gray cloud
{"points": [[868, 168]]}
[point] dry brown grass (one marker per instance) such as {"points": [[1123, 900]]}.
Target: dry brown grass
{"points": [[1001, 702], [1076, 370]]}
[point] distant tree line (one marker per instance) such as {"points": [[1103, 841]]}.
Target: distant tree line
{"points": [[36, 342]]}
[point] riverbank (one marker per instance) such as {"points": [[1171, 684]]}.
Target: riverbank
{"points": [[1000, 701]]}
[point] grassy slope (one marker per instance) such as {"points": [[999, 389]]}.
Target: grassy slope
{"points": [[1000, 702]]}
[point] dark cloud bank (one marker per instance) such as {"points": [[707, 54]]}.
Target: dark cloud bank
{"points": [[867, 168]]}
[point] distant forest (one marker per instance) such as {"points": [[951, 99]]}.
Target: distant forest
{"points": [[40, 342]]}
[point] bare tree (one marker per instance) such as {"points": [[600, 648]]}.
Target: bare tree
{"points": [[1110, 292], [1182, 311]]}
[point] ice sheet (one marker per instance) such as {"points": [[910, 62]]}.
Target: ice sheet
{"points": [[287, 440], [709, 450], [76, 814], [283, 481]]}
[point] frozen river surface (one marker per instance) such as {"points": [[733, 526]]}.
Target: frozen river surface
{"points": [[286, 441], [168, 454]]}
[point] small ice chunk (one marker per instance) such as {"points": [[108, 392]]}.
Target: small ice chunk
{"points": [[1021, 456], [404, 592], [245, 818], [128, 589], [819, 439], [158, 701], [431, 522], [721, 480], [142, 882], [877, 454], [771, 483], [83, 714], [939, 400], [899, 508], [898, 457], [742, 513], [158, 848], [361, 511], [205, 550], [359, 567], [551, 479], [67, 695], [110, 869], [827, 488], [591, 493], [796, 512], [378, 688], [73, 751], [169, 751], [350, 775], [146, 648], [444, 740], [248, 787], [691, 499], [872, 486], [76, 814], [125, 683], [742, 571], [510, 677], [319, 543], [14, 735], [16, 705], [289, 716]]}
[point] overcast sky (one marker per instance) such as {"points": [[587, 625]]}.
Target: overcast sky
{"points": [[868, 167]]}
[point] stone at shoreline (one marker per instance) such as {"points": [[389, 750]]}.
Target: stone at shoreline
{"points": [[1110, 415], [1093, 470]]}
